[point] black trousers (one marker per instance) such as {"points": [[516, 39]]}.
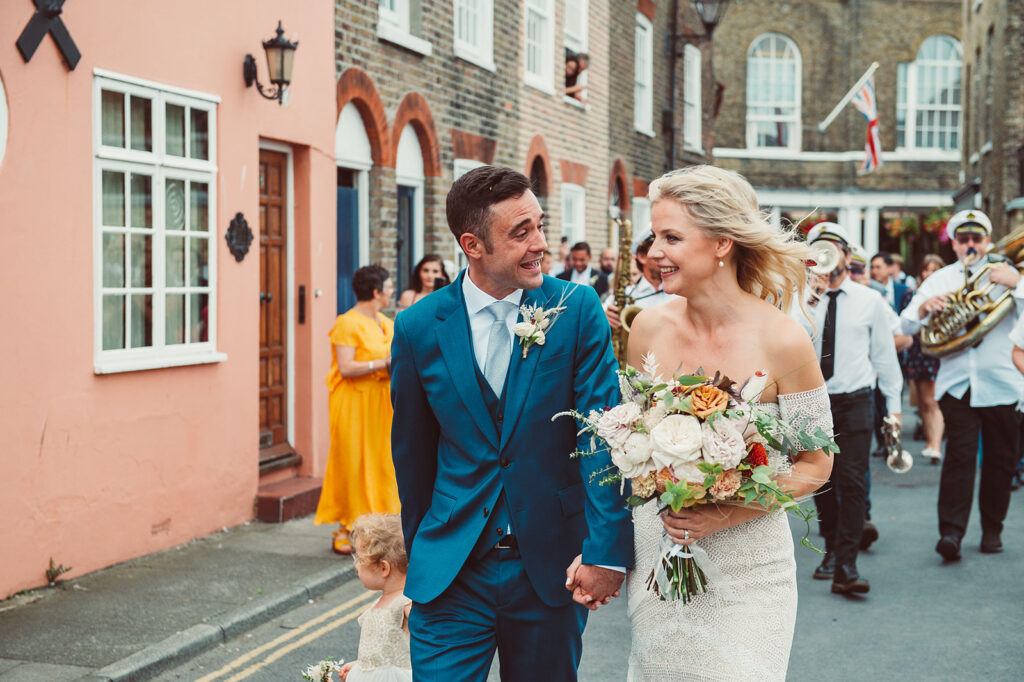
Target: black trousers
{"points": [[999, 430], [841, 501]]}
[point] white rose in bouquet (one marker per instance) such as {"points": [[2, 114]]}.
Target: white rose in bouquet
{"points": [[615, 425], [688, 471], [723, 443], [654, 416], [634, 457], [676, 440]]}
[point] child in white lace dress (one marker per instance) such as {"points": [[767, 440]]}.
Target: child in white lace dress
{"points": [[384, 628]]}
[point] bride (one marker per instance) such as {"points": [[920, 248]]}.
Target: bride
{"points": [[734, 272]]}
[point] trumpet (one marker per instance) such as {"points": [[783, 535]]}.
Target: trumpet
{"points": [[822, 258], [897, 459]]}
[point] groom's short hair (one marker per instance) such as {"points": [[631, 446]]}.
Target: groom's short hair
{"points": [[470, 199]]}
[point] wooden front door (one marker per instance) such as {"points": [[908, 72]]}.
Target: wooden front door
{"points": [[273, 318]]}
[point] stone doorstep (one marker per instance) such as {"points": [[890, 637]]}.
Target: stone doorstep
{"points": [[287, 500]]}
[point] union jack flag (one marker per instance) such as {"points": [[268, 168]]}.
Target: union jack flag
{"points": [[865, 102]]}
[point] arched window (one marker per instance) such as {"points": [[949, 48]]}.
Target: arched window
{"points": [[773, 92], [928, 97]]}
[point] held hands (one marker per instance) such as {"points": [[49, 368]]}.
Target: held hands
{"points": [[343, 673], [592, 586], [689, 525]]}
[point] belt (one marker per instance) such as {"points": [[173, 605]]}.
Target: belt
{"points": [[507, 541], [859, 393]]}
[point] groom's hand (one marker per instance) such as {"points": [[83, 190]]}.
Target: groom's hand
{"points": [[592, 586]]}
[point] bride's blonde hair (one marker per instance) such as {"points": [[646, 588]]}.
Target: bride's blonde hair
{"points": [[770, 261]]}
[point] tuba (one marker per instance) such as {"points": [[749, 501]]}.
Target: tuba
{"points": [[627, 311], [976, 308]]}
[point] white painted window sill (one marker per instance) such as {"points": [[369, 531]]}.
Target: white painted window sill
{"points": [[573, 102], [485, 62], [645, 131], [115, 366], [393, 34], [538, 84]]}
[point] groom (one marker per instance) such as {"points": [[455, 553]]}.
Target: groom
{"points": [[494, 509]]}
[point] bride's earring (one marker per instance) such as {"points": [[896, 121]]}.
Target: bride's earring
{"points": [[721, 263]]}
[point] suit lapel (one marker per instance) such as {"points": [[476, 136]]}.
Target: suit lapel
{"points": [[455, 340], [521, 371]]}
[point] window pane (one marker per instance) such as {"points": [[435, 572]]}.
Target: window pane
{"points": [[174, 319], [142, 260], [142, 124], [142, 201], [113, 322], [174, 209], [200, 134], [198, 316], [113, 260], [175, 261], [175, 125], [200, 206], [113, 199], [198, 261], [142, 320], [112, 113]]}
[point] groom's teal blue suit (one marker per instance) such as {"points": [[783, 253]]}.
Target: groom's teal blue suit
{"points": [[471, 464]]}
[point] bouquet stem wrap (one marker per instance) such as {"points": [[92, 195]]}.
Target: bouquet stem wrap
{"points": [[684, 572]]}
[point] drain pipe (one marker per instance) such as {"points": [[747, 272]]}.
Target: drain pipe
{"points": [[668, 116]]}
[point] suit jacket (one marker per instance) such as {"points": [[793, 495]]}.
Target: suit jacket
{"points": [[452, 462], [598, 280], [899, 290]]}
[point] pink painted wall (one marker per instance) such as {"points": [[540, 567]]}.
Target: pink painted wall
{"points": [[97, 469]]}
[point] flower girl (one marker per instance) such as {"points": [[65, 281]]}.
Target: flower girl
{"points": [[384, 628]]}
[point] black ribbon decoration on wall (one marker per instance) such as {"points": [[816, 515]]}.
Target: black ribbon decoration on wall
{"points": [[239, 237], [47, 20]]}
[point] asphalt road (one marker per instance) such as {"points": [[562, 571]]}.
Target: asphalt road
{"points": [[921, 620]]}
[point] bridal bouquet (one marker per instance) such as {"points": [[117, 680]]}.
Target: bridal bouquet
{"points": [[321, 672], [695, 439]]}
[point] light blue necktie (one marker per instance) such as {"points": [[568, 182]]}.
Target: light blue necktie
{"points": [[498, 341]]}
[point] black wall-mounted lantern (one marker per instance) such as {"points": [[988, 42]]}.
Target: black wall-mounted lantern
{"points": [[280, 54], [239, 237], [711, 14]]}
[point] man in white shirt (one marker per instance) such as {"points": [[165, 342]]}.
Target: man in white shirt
{"points": [[854, 342], [580, 272], [647, 292], [978, 389]]}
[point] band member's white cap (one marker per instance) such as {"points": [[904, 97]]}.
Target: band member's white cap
{"points": [[831, 231], [970, 221], [858, 256]]}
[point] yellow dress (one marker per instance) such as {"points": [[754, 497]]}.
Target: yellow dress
{"points": [[360, 476]]}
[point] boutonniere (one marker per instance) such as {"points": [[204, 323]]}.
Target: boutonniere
{"points": [[538, 320]]}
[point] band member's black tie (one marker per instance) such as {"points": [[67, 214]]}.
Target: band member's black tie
{"points": [[828, 337]]}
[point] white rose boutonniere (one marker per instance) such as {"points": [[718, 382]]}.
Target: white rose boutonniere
{"points": [[537, 321]]}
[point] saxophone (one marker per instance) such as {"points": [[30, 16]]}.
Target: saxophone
{"points": [[973, 310], [620, 336]]}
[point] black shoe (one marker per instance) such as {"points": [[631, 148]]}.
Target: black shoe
{"points": [[949, 547], [868, 535], [848, 581], [991, 543], [880, 452], [827, 569]]}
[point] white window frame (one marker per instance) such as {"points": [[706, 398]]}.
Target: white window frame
{"points": [[641, 210], [543, 77], [159, 166], [907, 105], [643, 76], [480, 13], [576, 37], [394, 24], [574, 212], [693, 112], [794, 119]]}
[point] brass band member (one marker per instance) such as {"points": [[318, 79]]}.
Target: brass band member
{"points": [[977, 390], [647, 292], [854, 342]]}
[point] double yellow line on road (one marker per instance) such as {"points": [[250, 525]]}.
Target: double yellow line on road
{"points": [[354, 607]]}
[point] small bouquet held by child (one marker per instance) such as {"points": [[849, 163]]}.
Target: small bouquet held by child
{"points": [[694, 439]]}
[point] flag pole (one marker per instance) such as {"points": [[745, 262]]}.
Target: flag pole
{"points": [[847, 97]]}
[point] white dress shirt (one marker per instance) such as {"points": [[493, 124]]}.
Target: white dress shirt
{"points": [[865, 353], [987, 369], [578, 277], [480, 320], [644, 294]]}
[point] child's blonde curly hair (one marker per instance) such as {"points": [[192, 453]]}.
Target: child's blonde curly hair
{"points": [[378, 537]]}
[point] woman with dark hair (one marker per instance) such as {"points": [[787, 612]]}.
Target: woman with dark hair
{"points": [[360, 477], [921, 370], [424, 277]]}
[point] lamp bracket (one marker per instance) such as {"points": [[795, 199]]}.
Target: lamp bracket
{"points": [[249, 74]]}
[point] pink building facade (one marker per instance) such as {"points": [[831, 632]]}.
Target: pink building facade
{"points": [[147, 373]]}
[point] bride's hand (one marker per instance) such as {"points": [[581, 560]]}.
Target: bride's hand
{"points": [[689, 525]]}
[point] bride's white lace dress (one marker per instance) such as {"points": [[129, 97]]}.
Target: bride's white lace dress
{"points": [[711, 638]]}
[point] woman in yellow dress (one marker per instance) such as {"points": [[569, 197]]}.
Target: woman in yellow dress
{"points": [[360, 476]]}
